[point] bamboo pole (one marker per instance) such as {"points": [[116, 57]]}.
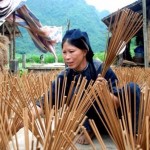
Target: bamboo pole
{"points": [[144, 9]]}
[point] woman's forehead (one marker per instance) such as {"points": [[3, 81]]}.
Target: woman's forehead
{"points": [[68, 45]]}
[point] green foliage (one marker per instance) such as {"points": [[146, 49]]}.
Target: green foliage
{"points": [[51, 59], [99, 56], [132, 46]]}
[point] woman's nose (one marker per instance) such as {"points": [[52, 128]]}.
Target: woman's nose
{"points": [[68, 56]]}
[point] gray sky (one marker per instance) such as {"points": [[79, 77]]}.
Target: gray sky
{"points": [[111, 5]]}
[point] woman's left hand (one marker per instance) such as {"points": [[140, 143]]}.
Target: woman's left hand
{"points": [[100, 80]]}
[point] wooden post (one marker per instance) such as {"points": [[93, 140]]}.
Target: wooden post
{"points": [[14, 44], [23, 60], [145, 33], [148, 35], [10, 48], [13, 66], [3, 26], [68, 24], [14, 63]]}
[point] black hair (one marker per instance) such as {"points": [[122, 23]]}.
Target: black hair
{"points": [[80, 40]]}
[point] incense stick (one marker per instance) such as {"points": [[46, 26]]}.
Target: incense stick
{"points": [[126, 24]]}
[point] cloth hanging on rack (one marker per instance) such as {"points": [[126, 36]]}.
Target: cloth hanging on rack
{"points": [[44, 37]]}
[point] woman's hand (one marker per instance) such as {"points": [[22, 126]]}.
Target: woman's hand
{"points": [[100, 80]]}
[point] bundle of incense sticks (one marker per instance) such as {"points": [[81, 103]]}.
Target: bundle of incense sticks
{"points": [[61, 123], [123, 128], [12, 89], [58, 129], [135, 74], [126, 24]]}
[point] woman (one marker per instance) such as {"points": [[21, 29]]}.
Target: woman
{"points": [[78, 57]]}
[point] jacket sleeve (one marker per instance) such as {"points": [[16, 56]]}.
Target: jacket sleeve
{"points": [[112, 81]]}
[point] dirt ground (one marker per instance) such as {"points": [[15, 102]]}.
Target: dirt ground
{"points": [[107, 140]]}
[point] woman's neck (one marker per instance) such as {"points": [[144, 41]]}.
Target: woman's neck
{"points": [[84, 68]]}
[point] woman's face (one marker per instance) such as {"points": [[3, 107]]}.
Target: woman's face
{"points": [[74, 57]]}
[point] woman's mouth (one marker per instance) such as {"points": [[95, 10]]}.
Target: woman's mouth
{"points": [[69, 63]]}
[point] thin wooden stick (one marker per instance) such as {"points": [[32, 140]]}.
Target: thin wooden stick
{"points": [[147, 133], [98, 136], [88, 137], [25, 119]]}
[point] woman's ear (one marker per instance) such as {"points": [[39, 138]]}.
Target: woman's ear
{"points": [[85, 52]]}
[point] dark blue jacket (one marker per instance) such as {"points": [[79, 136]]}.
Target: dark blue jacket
{"points": [[91, 73]]}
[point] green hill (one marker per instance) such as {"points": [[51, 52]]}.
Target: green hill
{"points": [[56, 13]]}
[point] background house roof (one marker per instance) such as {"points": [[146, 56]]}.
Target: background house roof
{"points": [[136, 6], [7, 30]]}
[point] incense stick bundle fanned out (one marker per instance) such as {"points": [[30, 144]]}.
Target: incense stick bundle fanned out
{"points": [[59, 126], [124, 127], [126, 24], [15, 94], [135, 74], [61, 123]]}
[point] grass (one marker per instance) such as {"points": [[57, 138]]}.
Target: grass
{"points": [[49, 58]]}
